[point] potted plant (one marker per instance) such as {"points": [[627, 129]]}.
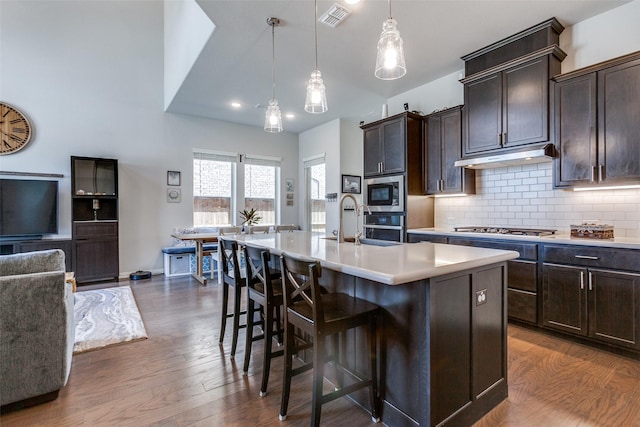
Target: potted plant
{"points": [[250, 217]]}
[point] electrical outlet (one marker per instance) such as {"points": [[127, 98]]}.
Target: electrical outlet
{"points": [[481, 297]]}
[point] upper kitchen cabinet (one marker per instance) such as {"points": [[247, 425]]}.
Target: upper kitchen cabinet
{"points": [[597, 124], [393, 146], [443, 146], [506, 90]]}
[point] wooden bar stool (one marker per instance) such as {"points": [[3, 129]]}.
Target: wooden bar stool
{"points": [[323, 315], [264, 288], [232, 276]]}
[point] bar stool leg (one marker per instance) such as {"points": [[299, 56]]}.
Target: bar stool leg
{"points": [[286, 372], [268, 338], [249, 337], [318, 379], [225, 303], [236, 318]]}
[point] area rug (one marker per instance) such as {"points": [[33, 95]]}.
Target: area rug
{"points": [[106, 317]]}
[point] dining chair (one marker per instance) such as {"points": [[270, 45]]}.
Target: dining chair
{"points": [[258, 229], [264, 292], [286, 227], [323, 316]]}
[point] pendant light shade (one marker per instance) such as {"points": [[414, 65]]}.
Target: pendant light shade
{"points": [[273, 118], [390, 63], [316, 100]]}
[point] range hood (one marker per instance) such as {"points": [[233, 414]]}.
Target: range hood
{"points": [[538, 155]]}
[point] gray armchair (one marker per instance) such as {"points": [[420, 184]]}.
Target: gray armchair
{"points": [[37, 327]]}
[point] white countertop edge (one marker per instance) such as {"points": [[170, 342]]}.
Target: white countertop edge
{"points": [[565, 239]]}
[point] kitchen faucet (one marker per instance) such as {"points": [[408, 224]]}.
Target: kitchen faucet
{"points": [[357, 210]]}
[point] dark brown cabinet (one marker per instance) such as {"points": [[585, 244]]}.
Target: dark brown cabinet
{"points": [[597, 124], [393, 146], [599, 303], [507, 109], [94, 199], [443, 146]]}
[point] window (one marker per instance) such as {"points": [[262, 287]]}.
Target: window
{"points": [[225, 183], [315, 181]]}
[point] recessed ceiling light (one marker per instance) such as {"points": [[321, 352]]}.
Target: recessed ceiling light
{"points": [[352, 1], [236, 104], [290, 115]]}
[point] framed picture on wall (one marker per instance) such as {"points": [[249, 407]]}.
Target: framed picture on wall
{"points": [[351, 184]]}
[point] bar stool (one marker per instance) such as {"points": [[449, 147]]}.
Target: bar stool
{"points": [[264, 288], [323, 315], [232, 276]]}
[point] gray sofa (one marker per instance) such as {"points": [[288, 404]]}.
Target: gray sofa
{"points": [[37, 327]]}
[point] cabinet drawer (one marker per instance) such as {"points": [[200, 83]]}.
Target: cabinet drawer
{"points": [[94, 229], [415, 238], [522, 275], [527, 251], [522, 305], [618, 259]]}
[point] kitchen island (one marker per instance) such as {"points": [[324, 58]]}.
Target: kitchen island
{"points": [[443, 325]]}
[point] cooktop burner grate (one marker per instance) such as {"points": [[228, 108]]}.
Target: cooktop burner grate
{"points": [[506, 230]]}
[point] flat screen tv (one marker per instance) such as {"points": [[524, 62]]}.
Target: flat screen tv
{"points": [[28, 208]]}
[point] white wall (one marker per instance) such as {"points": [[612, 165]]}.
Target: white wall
{"points": [[89, 75], [525, 197]]}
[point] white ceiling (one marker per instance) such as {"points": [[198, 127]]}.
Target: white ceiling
{"points": [[235, 65]]}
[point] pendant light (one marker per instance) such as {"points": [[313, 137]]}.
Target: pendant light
{"points": [[273, 118], [316, 100], [390, 60]]}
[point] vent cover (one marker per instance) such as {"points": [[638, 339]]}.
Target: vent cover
{"points": [[335, 15]]}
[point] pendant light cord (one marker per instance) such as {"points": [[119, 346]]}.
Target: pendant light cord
{"points": [[273, 61], [315, 24], [389, 9]]}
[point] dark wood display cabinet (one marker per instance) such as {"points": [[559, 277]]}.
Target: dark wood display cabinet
{"points": [[506, 90], [442, 147], [587, 292], [393, 146], [597, 124], [94, 185]]}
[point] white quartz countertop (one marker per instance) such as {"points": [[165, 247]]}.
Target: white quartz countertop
{"points": [[391, 265], [566, 239]]}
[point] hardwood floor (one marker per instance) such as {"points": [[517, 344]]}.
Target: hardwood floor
{"points": [[180, 376]]}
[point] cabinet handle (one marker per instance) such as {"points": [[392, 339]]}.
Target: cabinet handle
{"points": [[504, 138], [600, 173], [595, 258], [590, 281], [500, 139], [593, 173], [582, 280]]}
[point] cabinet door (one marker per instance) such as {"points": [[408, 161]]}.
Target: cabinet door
{"points": [[564, 298], [483, 114], [394, 141], [433, 153], [614, 302], [372, 151], [619, 122], [96, 259], [451, 124], [575, 132], [526, 103]]}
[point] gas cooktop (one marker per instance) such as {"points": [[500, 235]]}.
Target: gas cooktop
{"points": [[506, 230]]}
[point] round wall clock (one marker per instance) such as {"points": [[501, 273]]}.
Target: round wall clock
{"points": [[15, 129]]}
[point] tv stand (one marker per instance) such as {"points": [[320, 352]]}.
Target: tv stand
{"points": [[8, 247]]}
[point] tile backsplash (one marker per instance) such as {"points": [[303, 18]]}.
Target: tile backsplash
{"points": [[523, 196]]}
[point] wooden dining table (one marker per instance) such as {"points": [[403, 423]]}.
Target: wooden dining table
{"points": [[200, 239]]}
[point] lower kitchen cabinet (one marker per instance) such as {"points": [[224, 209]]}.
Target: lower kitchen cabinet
{"points": [[594, 302]]}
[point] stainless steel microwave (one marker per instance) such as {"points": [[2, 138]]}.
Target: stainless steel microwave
{"points": [[385, 194]]}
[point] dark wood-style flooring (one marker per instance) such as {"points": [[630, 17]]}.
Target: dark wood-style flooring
{"points": [[180, 376]]}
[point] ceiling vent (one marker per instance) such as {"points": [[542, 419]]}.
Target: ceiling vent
{"points": [[335, 15]]}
